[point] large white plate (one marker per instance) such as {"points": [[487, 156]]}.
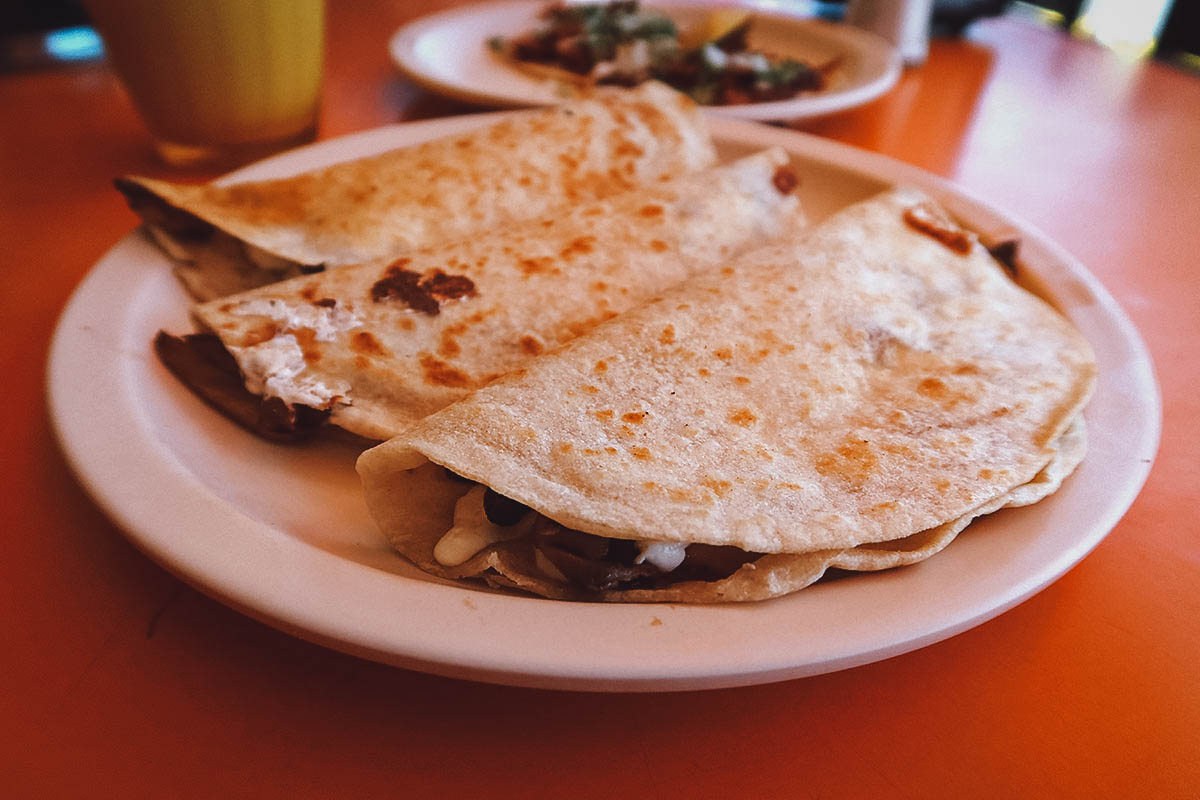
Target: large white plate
{"points": [[447, 52], [281, 532]]}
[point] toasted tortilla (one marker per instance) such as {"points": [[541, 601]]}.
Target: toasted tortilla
{"points": [[875, 379], [383, 344], [230, 238]]}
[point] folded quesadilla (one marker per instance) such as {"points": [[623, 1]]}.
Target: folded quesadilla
{"points": [[851, 397], [380, 345], [230, 238]]}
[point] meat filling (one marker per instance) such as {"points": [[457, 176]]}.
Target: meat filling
{"points": [[589, 563]]}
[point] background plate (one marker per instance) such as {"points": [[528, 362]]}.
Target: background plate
{"points": [[448, 53], [281, 533]]}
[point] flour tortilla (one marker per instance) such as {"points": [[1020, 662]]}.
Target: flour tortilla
{"points": [[877, 379], [230, 238], [380, 363]]}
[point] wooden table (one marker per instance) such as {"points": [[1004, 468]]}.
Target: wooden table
{"points": [[119, 681]]}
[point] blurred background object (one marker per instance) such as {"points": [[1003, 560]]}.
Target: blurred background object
{"points": [[41, 33], [218, 81]]}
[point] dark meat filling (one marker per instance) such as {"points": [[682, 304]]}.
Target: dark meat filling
{"points": [[203, 364], [594, 564]]}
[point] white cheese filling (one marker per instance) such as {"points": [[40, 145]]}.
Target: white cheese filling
{"points": [[273, 368], [325, 322], [472, 531], [664, 555]]}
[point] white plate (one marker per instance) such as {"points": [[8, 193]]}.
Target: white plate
{"points": [[448, 53], [281, 532]]}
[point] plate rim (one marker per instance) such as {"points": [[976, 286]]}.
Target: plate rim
{"points": [[403, 42], [83, 444]]}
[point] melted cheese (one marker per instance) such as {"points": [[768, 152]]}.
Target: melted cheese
{"points": [[472, 531]]}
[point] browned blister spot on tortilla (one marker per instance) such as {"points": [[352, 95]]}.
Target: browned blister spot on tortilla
{"points": [[651, 211], [579, 246], [601, 366], [724, 353], [365, 343], [931, 221], [309, 293], [612, 451], [967, 369], [659, 246], [534, 266], [667, 335], [599, 286], [719, 487], [879, 508], [635, 417], [361, 362], [727, 271], [591, 389], [564, 447], [325, 302], [307, 339], [640, 453], [439, 373], [259, 334], [604, 414], [853, 462], [741, 380], [703, 373], [530, 345], [626, 431], [742, 416]]}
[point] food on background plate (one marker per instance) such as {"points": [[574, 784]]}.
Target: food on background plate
{"points": [[377, 346], [625, 45], [230, 238], [850, 397]]}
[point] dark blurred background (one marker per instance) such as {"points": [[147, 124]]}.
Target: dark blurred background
{"points": [[40, 33]]}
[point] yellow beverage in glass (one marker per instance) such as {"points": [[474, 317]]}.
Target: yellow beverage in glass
{"points": [[218, 80]]}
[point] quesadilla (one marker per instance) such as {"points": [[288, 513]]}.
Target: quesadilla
{"points": [[230, 238], [850, 397], [380, 345]]}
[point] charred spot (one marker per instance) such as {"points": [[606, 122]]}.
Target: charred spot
{"points": [[531, 345], [931, 221], [420, 292], [325, 302]]}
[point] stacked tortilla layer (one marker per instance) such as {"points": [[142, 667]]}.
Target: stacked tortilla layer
{"points": [[851, 397], [383, 344], [230, 238]]}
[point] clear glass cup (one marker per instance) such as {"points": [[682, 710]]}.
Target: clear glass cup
{"points": [[218, 81]]}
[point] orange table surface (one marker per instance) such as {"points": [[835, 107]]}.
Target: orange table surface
{"points": [[116, 680]]}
